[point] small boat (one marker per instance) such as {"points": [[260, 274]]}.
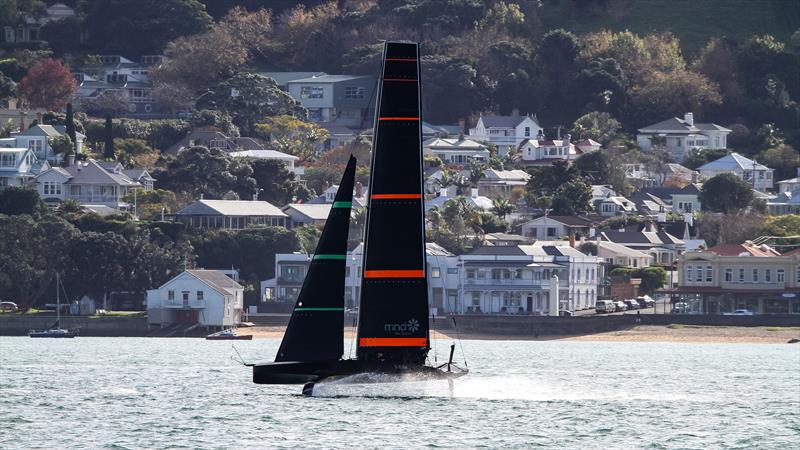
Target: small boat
{"points": [[55, 330], [228, 335], [393, 338]]}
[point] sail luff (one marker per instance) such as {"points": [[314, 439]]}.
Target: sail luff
{"points": [[316, 328]]}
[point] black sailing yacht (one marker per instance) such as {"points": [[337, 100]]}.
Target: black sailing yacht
{"points": [[393, 329]]}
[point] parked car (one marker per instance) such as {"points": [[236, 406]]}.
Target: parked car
{"points": [[741, 312], [645, 301], [8, 306], [680, 308], [620, 306], [632, 304], [605, 306]]}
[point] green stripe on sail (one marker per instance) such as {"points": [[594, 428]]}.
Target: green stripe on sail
{"points": [[319, 309], [330, 256], [342, 205]]}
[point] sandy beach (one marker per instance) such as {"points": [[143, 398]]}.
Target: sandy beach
{"points": [[642, 333]]}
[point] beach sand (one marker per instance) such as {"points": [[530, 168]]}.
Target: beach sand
{"points": [[641, 333]]}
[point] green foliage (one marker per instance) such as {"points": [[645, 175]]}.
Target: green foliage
{"points": [[596, 125], [726, 193], [291, 135], [278, 185], [108, 148], [698, 157], [211, 172], [21, 200], [211, 118], [307, 237], [571, 198], [502, 207], [603, 168], [653, 278], [785, 159], [62, 145], [547, 179], [320, 178], [8, 88], [159, 134]]}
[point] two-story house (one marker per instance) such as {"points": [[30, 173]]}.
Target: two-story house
{"points": [[757, 175], [655, 200], [195, 298], [506, 132], [678, 136], [120, 75], [640, 175], [19, 166], [88, 183], [28, 28], [501, 183], [662, 246], [728, 277], [557, 227], [541, 151], [38, 138], [456, 151]]}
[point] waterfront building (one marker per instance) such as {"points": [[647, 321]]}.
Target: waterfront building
{"points": [[231, 214], [207, 298], [505, 279], [728, 277]]}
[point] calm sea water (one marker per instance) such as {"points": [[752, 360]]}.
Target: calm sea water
{"points": [[188, 393]]}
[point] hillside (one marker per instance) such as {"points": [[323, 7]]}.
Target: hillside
{"points": [[687, 19]]}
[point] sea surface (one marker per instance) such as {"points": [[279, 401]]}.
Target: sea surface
{"points": [[131, 393]]}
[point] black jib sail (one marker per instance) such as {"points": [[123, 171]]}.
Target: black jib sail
{"points": [[316, 329], [393, 313]]}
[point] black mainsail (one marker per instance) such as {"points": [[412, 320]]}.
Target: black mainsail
{"points": [[316, 328], [393, 312]]}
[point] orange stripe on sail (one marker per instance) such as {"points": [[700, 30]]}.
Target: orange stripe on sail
{"points": [[393, 342], [394, 274], [399, 118], [395, 196]]}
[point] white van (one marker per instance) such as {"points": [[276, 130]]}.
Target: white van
{"points": [[605, 306]]}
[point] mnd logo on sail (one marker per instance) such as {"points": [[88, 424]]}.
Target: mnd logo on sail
{"points": [[411, 326]]}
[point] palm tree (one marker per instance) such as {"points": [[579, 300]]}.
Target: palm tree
{"points": [[502, 207], [476, 171]]}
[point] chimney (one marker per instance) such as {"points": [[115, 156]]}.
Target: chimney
{"points": [[688, 218], [21, 121], [474, 193], [592, 232], [567, 139], [462, 126], [359, 189], [201, 196], [515, 112], [689, 118], [443, 192], [572, 240], [69, 160], [662, 217], [39, 118]]}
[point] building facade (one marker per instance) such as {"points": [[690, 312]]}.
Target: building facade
{"points": [[206, 298], [506, 132], [678, 136]]}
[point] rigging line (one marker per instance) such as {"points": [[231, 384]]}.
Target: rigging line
{"points": [[433, 341], [460, 344], [353, 339]]}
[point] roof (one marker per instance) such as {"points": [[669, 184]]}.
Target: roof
{"points": [[569, 221], [621, 249], [501, 250], [453, 144], [790, 181], [434, 249], [216, 279], [284, 77], [329, 78], [678, 125], [264, 154], [732, 162], [40, 130], [314, 211], [505, 237], [503, 121], [91, 172], [231, 208], [745, 249], [640, 237], [550, 250], [507, 175]]}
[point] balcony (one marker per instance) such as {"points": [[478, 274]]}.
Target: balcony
{"points": [[184, 304], [507, 282]]}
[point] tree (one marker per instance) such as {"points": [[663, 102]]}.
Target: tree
{"points": [[69, 122], [8, 88], [135, 153], [571, 198], [733, 228], [48, 84], [62, 145], [726, 193], [477, 170], [784, 158], [502, 207], [142, 27], [21, 200], [151, 204], [210, 172], [698, 157], [547, 179], [603, 168], [277, 184], [218, 119], [596, 125], [671, 94], [108, 148], [249, 98], [291, 135], [653, 278]]}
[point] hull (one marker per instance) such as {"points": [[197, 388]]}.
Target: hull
{"points": [[50, 334], [243, 337], [298, 372]]}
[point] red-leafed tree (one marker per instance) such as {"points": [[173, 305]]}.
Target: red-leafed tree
{"points": [[48, 84]]}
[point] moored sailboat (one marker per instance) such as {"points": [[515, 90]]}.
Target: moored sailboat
{"points": [[393, 335], [55, 330]]}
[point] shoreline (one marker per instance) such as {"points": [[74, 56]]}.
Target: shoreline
{"points": [[640, 333]]}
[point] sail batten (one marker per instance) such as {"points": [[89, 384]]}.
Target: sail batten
{"points": [[393, 312], [315, 331]]}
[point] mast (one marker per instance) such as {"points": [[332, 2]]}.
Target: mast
{"points": [[316, 328], [393, 312], [58, 302]]}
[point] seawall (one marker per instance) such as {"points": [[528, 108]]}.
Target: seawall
{"points": [[18, 325]]}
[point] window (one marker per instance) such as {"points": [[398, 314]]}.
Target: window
{"points": [[354, 92], [780, 275], [527, 131], [689, 272], [551, 232], [476, 299], [741, 275], [699, 278], [435, 272], [52, 188], [452, 270], [200, 295], [728, 274], [311, 92], [768, 275], [798, 275], [8, 160], [170, 295], [755, 275], [709, 274]]}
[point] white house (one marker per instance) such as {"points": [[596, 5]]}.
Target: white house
{"points": [[620, 255], [231, 214], [307, 213], [500, 183], [28, 28], [18, 166], [790, 185], [663, 246], [557, 227], [615, 206], [753, 173], [86, 182], [37, 138], [206, 298], [128, 79], [474, 200], [455, 151], [678, 136], [506, 132], [285, 158], [541, 151]]}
